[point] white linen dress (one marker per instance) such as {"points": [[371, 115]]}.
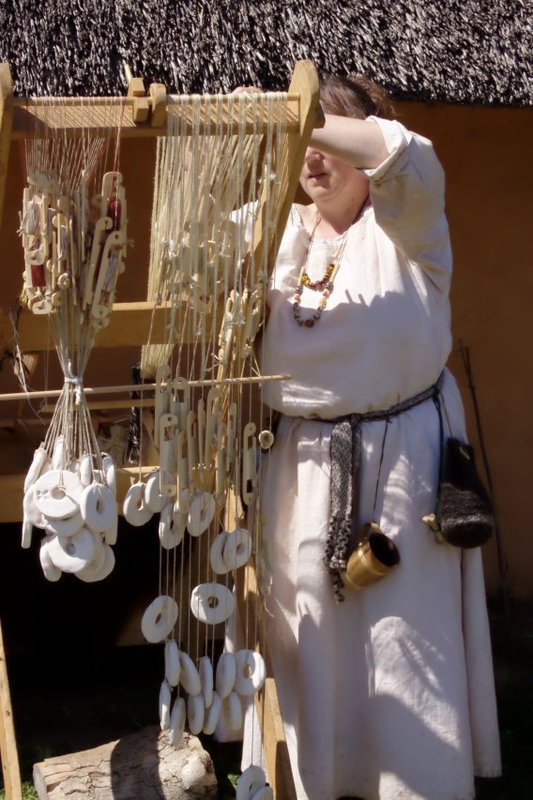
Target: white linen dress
{"points": [[390, 694]]}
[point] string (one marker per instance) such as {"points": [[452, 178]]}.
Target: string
{"points": [[378, 479]]}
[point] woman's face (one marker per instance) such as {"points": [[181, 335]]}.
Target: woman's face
{"points": [[325, 178]]}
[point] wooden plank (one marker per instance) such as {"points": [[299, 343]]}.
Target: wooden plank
{"points": [[8, 743], [131, 324]]}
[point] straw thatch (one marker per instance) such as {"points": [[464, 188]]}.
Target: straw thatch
{"points": [[463, 51]]}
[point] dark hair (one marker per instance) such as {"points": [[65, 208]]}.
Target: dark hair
{"points": [[354, 96]]}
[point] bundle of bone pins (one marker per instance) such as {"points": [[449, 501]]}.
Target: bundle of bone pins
{"points": [[213, 184], [74, 241]]}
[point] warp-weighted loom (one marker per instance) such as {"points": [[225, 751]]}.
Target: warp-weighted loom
{"points": [[227, 168]]}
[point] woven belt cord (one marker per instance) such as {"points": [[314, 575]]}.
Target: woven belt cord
{"points": [[345, 457]]}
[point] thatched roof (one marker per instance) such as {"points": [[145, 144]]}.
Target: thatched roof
{"points": [[462, 51]]}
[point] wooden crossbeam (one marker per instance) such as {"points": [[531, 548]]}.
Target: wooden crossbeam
{"points": [[75, 115]]}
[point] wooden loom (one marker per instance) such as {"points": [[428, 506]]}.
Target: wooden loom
{"points": [[134, 322]]}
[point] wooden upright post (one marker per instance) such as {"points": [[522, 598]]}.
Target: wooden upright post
{"points": [[6, 121], [8, 744]]}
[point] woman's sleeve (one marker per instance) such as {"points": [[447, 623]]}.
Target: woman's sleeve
{"points": [[407, 193]]}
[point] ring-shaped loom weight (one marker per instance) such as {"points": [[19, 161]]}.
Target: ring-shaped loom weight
{"points": [[212, 603], [155, 500], [189, 676], [50, 571], [251, 781], [111, 534], [212, 714], [159, 618], [98, 571], [225, 674], [57, 493], [178, 717], [40, 463], [110, 473], [237, 548], [216, 557], [171, 528], [135, 509], [232, 710], [27, 533], [98, 507], [72, 553], [172, 662], [265, 793], [250, 672], [85, 469], [69, 526], [201, 512], [205, 670], [59, 454], [164, 706], [195, 713], [30, 510], [167, 479]]}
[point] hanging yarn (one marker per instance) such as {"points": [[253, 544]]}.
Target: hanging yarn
{"points": [[73, 230], [220, 178]]}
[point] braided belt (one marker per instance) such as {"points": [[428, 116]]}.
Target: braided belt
{"points": [[345, 455]]}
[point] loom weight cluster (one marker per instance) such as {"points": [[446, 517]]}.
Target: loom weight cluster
{"points": [[75, 504], [211, 694], [73, 254], [73, 250], [199, 460]]}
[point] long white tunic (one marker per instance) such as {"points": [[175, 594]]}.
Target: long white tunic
{"points": [[390, 694]]}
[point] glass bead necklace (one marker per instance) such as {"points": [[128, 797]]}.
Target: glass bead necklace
{"points": [[324, 285]]}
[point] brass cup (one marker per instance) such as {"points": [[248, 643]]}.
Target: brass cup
{"points": [[374, 557]]}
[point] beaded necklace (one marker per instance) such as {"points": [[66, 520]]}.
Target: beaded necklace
{"points": [[324, 285]]}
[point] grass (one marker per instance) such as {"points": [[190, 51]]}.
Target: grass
{"points": [[122, 698], [28, 792]]}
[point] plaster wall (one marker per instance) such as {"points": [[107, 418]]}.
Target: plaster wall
{"points": [[489, 173]]}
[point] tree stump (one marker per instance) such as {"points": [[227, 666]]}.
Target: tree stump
{"points": [[141, 766]]}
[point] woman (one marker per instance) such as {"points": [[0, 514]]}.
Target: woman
{"points": [[385, 692]]}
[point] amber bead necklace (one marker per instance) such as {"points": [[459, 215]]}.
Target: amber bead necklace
{"points": [[324, 285]]}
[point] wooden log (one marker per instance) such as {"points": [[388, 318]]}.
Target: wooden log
{"points": [[140, 766]]}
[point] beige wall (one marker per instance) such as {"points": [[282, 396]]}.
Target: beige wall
{"points": [[486, 154], [487, 158]]}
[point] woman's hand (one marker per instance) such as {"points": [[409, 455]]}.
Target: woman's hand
{"points": [[247, 90]]}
